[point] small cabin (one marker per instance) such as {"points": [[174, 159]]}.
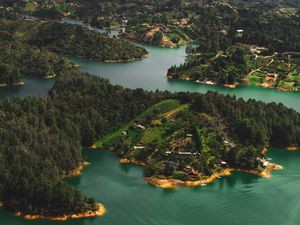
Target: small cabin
{"points": [[239, 32], [139, 126], [271, 77], [184, 153]]}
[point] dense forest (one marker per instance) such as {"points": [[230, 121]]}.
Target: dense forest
{"points": [[42, 140], [75, 40], [35, 48], [42, 137], [19, 59]]}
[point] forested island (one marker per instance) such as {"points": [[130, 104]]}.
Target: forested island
{"points": [[172, 134]]}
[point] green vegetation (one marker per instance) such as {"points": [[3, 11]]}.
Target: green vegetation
{"points": [[189, 137], [223, 68], [42, 140], [19, 59], [75, 40], [242, 64], [31, 49], [161, 35], [42, 137], [182, 135]]}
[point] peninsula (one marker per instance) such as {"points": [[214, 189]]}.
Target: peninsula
{"points": [[37, 48], [194, 139]]}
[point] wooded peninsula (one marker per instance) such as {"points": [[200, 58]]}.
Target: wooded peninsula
{"points": [[37, 48], [181, 136]]}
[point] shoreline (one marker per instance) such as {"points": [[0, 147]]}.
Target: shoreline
{"points": [[232, 86], [77, 171], [132, 161], [266, 173], [166, 183], [99, 212], [173, 183], [50, 76], [126, 60], [292, 149], [20, 83]]}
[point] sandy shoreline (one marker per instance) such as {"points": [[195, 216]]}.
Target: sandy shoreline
{"points": [[50, 76], [132, 161], [99, 212], [13, 84], [77, 171], [266, 173], [293, 148], [173, 183]]}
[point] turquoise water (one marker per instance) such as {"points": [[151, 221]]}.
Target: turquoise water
{"points": [[150, 75], [242, 199]]}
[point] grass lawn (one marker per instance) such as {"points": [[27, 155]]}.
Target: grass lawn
{"points": [[256, 77], [159, 108], [152, 134]]}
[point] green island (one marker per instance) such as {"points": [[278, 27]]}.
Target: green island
{"points": [[17, 55], [182, 136]]}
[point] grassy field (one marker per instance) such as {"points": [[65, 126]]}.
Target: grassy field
{"points": [[159, 108]]}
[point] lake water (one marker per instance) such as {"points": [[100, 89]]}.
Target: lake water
{"points": [[242, 199], [150, 74]]}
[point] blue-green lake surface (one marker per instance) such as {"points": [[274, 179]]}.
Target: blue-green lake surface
{"points": [[241, 199]]}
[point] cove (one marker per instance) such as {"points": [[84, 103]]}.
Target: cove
{"points": [[239, 199]]}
